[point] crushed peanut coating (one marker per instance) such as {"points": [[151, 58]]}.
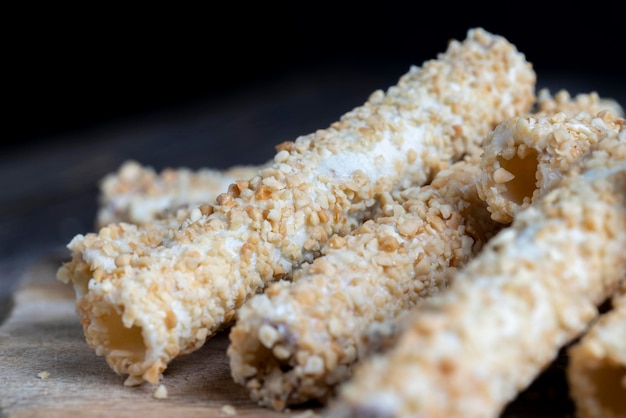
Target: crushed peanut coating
{"points": [[139, 195], [144, 300], [534, 288], [596, 372], [583, 102], [297, 341], [526, 155]]}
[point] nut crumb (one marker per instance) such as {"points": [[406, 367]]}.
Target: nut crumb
{"points": [[309, 413], [229, 410], [160, 392], [43, 375]]}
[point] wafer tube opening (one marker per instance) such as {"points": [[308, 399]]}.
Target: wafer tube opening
{"points": [[127, 342], [610, 381], [519, 175]]}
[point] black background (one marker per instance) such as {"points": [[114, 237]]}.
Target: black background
{"points": [[76, 67]]}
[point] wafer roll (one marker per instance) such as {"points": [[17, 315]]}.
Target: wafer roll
{"points": [[148, 302], [527, 155], [138, 194], [596, 372], [534, 288], [297, 341]]}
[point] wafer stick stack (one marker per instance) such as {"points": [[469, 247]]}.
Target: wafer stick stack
{"points": [[534, 288], [145, 299], [596, 372], [297, 341]]}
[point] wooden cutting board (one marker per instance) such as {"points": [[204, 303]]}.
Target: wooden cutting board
{"points": [[48, 370]]}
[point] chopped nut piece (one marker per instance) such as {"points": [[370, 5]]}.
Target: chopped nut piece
{"points": [[229, 410], [160, 392]]}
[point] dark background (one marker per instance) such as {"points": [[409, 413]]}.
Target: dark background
{"points": [[78, 67]]}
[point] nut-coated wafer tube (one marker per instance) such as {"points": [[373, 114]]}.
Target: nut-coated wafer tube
{"points": [[148, 302], [138, 194], [596, 371], [534, 288], [526, 155], [516, 167], [298, 340]]}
